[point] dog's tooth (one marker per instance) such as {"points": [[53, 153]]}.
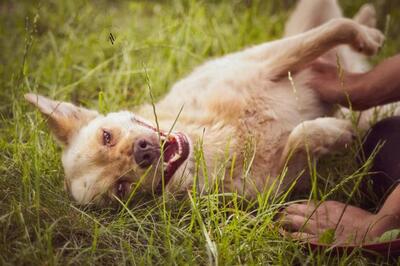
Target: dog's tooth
{"points": [[175, 158], [179, 141]]}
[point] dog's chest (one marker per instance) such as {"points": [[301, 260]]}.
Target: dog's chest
{"points": [[260, 108]]}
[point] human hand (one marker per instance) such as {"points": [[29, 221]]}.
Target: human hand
{"points": [[311, 222]]}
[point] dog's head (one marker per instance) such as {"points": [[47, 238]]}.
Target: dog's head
{"points": [[108, 156]]}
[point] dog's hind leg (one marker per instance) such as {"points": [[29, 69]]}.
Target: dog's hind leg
{"points": [[312, 139], [309, 14]]}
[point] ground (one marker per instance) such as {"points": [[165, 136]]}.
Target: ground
{"points": [[99, 54]]}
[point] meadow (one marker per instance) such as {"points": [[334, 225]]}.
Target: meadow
{"points": [[106, 55]]}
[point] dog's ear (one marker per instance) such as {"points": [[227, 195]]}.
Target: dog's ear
{"points": [[64, 119]]}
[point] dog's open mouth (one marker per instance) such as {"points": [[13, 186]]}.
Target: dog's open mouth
{"points": [[176, 150]]}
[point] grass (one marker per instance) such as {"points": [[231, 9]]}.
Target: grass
{"points": [[102, 54]]}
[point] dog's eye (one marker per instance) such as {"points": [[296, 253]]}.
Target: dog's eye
{"points": [[107, 138]]}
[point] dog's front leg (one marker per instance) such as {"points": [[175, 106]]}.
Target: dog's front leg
{"points": [[295, 53], [298, 51], [312, 139]]}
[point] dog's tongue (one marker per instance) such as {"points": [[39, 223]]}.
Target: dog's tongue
{"points": [[170, 148]]}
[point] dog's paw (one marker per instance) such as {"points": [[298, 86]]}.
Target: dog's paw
{"points": [[322, 135], [345, 134], [332, 134], [366, 16], [368, 40]]}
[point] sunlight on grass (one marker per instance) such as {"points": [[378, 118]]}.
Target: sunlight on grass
{"points": [[63, 49]]}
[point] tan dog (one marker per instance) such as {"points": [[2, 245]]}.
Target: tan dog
{"points": [[242, 109]]}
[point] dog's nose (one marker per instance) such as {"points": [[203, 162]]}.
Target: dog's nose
{"points": [[145, 152]]}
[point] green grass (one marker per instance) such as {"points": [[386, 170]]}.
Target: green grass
{"points": [[62, 49]]}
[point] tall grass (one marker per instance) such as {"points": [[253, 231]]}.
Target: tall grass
{"points": [[64, 49]]}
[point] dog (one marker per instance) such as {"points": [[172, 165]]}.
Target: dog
{"points": [[250, 116]]}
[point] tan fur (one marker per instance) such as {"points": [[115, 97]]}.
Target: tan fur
{"points": [[241, 107]]}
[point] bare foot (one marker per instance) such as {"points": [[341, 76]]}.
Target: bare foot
{"points": [[351, 225]]}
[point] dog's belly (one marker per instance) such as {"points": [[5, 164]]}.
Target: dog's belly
{"points": [[265, 109], [246, 111], [269, 117]]}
